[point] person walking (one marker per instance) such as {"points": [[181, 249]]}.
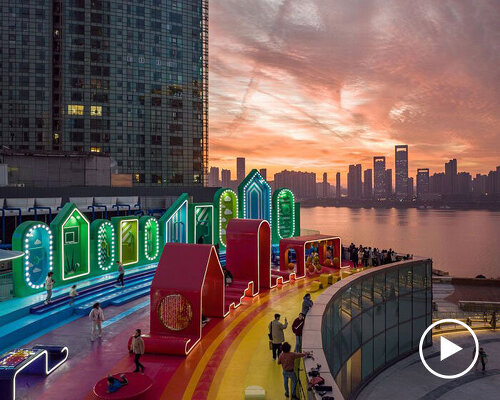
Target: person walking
{"points": [[137, 348], [276, 334], [483, 358], [307, 303], [49, 284], [121, 274], [72, 294], [493, 321], [297, 327], [96, 316], [287, 361]]}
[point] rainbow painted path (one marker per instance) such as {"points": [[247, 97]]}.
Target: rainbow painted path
{"points": [[233, 354]]}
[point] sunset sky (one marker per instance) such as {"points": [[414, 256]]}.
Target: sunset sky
{"points": [[316, 85]]}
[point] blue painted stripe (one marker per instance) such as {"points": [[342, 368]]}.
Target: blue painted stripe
{"points": [[125, 314]]}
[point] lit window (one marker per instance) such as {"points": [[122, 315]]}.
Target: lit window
{"points": [[75, 109], [95, 149], [96, 111]]}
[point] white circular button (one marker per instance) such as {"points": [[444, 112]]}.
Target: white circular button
{"points": [[449, 349]]}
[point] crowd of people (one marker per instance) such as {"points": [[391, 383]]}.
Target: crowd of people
{"points": [[362, 256], [281, 349]]}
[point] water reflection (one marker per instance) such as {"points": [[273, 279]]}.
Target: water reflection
{"points": [[461, 242]]}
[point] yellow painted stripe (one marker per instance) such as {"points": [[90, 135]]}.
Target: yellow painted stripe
{"points": [[258, 301], [249, 361]]}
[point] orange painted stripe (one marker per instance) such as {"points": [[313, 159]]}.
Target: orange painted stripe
{"points": [[201, 379]]}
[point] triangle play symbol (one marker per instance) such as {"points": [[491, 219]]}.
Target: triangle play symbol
{"points": [[448, 348]]}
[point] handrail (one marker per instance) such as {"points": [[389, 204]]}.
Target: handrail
{"points": [[36, 208], [152, 211], [94, 206]]}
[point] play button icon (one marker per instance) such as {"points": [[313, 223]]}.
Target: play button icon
{"points": [[448, 348]]}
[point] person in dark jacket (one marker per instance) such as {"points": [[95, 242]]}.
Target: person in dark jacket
{"points": [[297, 327], [307, 303]]}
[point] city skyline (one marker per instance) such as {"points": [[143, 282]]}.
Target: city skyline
{"points": [[388, 163], [428, 82]]}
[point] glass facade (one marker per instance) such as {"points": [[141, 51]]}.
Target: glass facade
{"points": [[376, 320], [126, 78]]}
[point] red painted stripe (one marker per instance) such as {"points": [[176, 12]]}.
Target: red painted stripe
{"points": [[208, 374]]}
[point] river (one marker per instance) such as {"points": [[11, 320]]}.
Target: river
{"points": [[464, 243]]}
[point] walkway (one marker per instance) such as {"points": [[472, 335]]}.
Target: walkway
{"points": [[411, 378], [232, 355]]}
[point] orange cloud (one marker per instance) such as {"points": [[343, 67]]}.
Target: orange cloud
{"points": [[317, 85]]}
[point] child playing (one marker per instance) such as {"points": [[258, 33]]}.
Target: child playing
{"points": [[72, 294]]}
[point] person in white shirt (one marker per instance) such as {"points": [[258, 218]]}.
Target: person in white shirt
{"points": [[96, 316], [72, 294], [49, 284]]}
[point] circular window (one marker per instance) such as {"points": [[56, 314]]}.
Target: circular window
{"points": [[175, 312]]}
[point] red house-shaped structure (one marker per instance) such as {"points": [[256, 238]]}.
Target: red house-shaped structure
{"points": [[188, 282]]}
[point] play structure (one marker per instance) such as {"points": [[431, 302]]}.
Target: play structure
{"points": [[177, 303], [76, 249], [178, 300], [39, 360], [311, 254]]}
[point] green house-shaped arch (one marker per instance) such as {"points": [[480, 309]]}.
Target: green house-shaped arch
{"points": [[174, 226], [71, 230], [149, 228], [127, 232], [254, 196], [102, 245], [225, 209], [35, 240], [283, 214]]}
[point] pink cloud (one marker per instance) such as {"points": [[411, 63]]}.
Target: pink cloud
{"points": [[319, 84]]}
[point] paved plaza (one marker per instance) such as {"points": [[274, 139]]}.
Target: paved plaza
{"points": [[409, 380]]}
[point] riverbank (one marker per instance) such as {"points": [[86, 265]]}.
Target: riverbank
{"points": [[490, 205]]}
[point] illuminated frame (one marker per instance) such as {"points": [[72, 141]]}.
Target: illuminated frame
{"points": [[248, 186], [47, 370], [221, 200], [280, 193], [27, 256], [318, 241], [62, 244], [100, 233], [183, 204], [150, 221], [136, 241], [196, 221]]}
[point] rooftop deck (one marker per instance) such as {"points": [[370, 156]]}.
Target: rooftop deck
{"points": [[232, 355]]}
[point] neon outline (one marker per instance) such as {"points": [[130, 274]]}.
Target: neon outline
{"points": [[26, 254], [280, 191], [224, 243], [149, 258], [47, 371], [195, 220], [121, 243], [62, 245], [187, 221], [250, 178], [99, 241]]}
